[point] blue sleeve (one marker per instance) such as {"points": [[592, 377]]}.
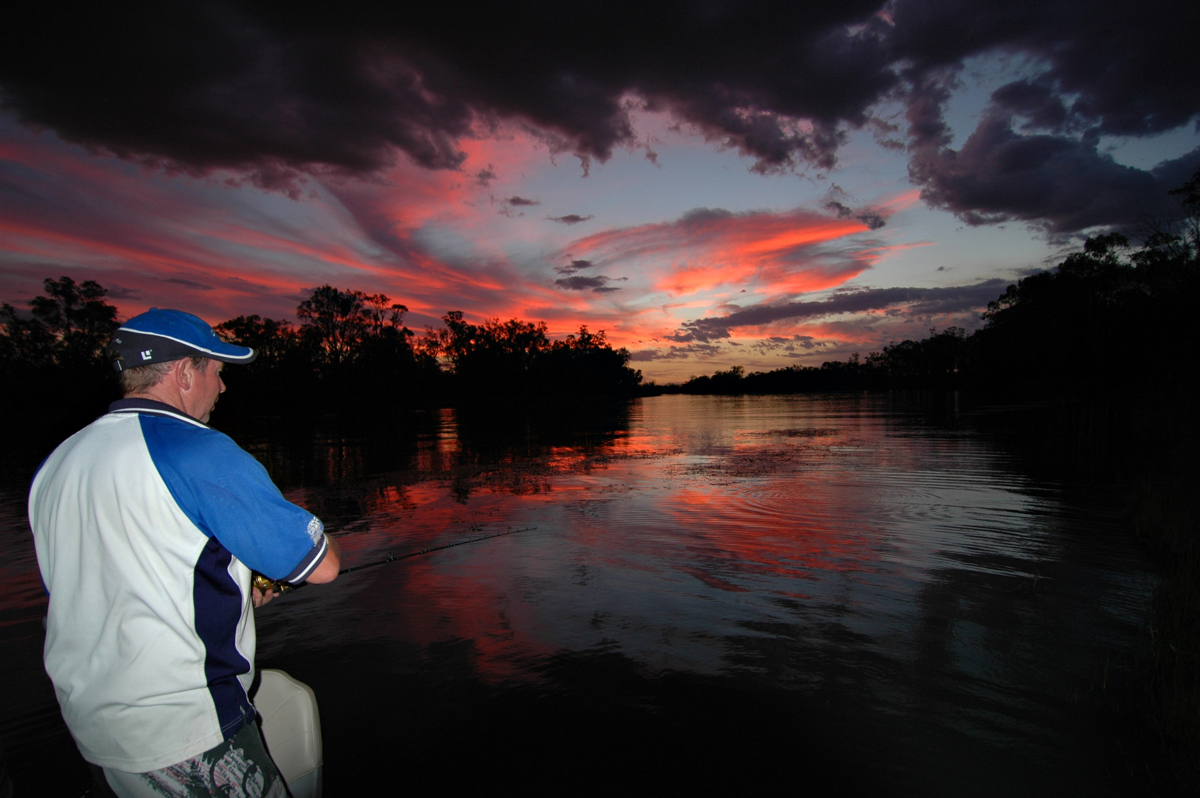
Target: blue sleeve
{"points": [[229, 496]]}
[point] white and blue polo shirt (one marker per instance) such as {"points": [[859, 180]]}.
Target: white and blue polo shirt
{"points": [[147, 524]]}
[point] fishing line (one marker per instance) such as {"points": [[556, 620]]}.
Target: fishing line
{"points": [[264, 584]]}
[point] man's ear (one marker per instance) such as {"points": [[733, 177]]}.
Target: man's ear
{"points": [[183, 373]]}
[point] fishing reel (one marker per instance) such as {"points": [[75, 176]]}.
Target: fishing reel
{"points": [[270, 585]]}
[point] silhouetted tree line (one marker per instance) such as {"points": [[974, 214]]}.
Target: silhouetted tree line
{"points": [[1109, 316], [515, 358], [53, 357], [350, 350]]}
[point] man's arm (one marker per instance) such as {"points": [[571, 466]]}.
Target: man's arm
{"points": [[327, 571]]}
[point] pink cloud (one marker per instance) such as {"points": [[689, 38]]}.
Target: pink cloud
{"points": [[771, 253]]}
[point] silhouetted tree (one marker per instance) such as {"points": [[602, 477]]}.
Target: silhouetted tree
{"points": [[276, 341], [585, 364], [70, 326], [352, 349], [1104, 315], [333, 321], [516, 358], [932, 363], [25, 342], [56, 352]]}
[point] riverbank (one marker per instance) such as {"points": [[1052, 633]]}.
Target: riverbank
{"points": [[1164, 513], [1142, 446]]}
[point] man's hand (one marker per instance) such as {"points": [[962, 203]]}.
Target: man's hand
{"points": [[261, 597]]}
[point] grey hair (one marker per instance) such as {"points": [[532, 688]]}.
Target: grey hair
{"points": [[143, 378]]}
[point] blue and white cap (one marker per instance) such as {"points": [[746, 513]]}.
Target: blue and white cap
{"points": [[158, 336]]}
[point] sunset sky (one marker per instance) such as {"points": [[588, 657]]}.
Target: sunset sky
{"points": [[712, 184]]}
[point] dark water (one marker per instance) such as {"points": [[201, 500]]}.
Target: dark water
{"points": [[820, 594]]}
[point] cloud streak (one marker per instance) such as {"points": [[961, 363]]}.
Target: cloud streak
{"points": [[777, 253], [914, 301], [570, 218]]}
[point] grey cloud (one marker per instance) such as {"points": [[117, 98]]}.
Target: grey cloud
{"points": [[698, 217], [122, 292], [508, 205], [570, 218], [872, 219], [1034, 100], [1063, 184], [188, 283], [647, 355], [598, 284], [918, 301], [484, 177], [574, 266]]}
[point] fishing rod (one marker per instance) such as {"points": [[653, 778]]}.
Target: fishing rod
{"points": [[264, 584], [394, 558]]}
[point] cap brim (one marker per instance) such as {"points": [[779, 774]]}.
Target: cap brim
{"points": [[172, 348]]}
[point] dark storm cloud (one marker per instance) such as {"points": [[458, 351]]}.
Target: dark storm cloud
{"points": [[913, 301], [1034, 100], [1060, 183], [1109, 68], [277, 91]]}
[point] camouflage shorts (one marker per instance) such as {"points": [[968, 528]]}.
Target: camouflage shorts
{"points": [[237, 768]]}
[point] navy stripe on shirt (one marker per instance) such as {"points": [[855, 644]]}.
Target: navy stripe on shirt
{"points": [[218, 607]]}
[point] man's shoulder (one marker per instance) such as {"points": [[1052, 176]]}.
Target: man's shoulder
{"points": [[182, 437], [172, 435]]}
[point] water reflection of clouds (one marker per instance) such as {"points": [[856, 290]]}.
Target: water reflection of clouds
{"points": [[788, 539]]}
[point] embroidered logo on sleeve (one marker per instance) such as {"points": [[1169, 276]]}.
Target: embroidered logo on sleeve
{"points": [[316, 529]]}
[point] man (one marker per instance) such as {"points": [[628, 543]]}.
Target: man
{"points": [[147, 525]]}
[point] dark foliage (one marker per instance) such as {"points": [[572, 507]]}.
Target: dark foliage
{"points": [[515, 359], [53, 356], [350, 352]]}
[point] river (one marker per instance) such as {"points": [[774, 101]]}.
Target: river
{"points": [[834, 594]]}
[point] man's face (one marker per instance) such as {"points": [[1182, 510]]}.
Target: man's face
{"points": [[206, 389]]}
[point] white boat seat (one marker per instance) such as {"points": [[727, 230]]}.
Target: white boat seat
{"points": [[291, 728]]}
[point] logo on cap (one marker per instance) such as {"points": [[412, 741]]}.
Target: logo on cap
{"points": [[146, 354]]}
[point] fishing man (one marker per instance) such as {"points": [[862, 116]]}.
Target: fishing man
{"points": [[147, 525]]}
